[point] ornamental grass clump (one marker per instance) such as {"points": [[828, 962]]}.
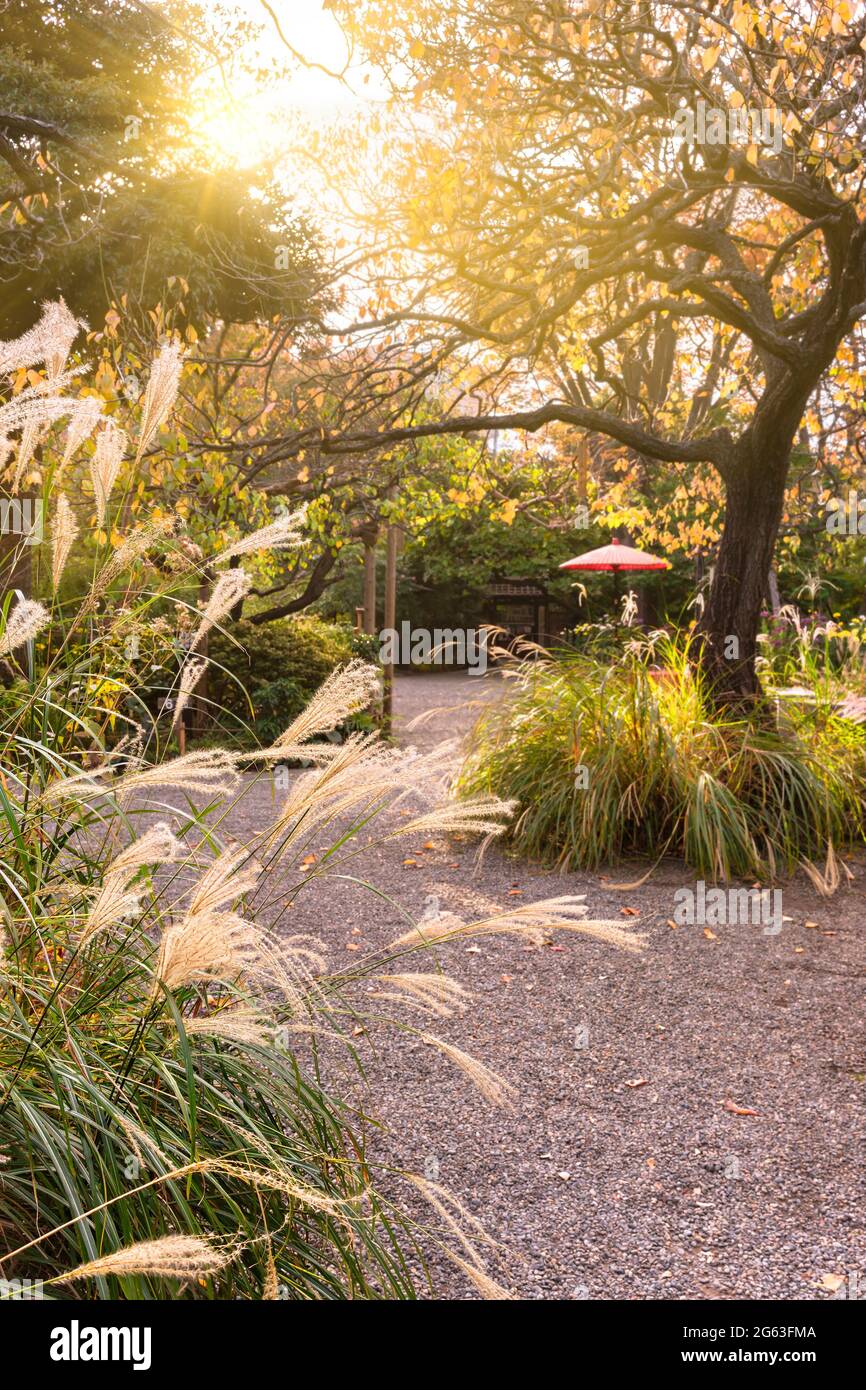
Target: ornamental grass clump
{"points": [[631, 757], [165, 1130]]}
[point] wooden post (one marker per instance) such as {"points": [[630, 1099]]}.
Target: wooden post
{"points": [[390, 613], [370, 587]]}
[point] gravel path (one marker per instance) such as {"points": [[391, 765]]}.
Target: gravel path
{"points": [[623, 1172]]}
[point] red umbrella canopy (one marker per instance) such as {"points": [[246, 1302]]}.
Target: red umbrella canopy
{"points": [[615, 557]]}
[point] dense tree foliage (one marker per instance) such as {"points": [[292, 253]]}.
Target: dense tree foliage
{"points": [[106, 191]]}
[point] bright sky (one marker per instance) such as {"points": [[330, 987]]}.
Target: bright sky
{"points": [[246, 123]]}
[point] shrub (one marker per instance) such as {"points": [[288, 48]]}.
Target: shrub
{"points": [[262, 675], [606, 760]]}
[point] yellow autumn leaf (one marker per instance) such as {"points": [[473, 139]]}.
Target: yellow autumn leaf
{"points": [[710, 55]]}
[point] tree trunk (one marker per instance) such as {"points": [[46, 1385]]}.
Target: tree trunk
{"points": [[391, 538], [755, 493]]}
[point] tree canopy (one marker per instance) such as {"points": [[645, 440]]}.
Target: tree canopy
{"points": [[105, 189]]}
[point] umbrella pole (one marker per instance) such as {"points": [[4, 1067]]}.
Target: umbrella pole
{"points": [[616, 598]]}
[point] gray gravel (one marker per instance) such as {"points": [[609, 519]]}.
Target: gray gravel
{"points": [[596, 1187]]}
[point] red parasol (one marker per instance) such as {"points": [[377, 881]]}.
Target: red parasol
{"points": [[615, 557]]}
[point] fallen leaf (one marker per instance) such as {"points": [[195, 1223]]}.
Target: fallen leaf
{"points": [[410, 863], [672, 924], [734, 1109], [810, 924], [428, 845], [831, 1282], [640, 1081], [650, 1163], [352, 946], [799, 950], [710, 935], [515, 893], [629, 912], [506, 979], [308, 859]]}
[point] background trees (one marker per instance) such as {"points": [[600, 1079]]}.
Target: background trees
{"points": [[634, 230], [107, 188], [688, 300]]}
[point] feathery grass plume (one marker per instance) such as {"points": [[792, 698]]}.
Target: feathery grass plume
{"points": [[486, 815], [270, 1287], [169, 1257], [63, 534], [48, 341], [205, 946], [487, 1287], [446, 1204], [360, 773], [429, 929], [158, 845], [287, 967], [83, 422], [280, 1181], [285, 533], [131, 549], [317, 753], [363, 774], [567, 913], [23, 623], [208, 943], [191, 673], [436, 993], [114, 904], [26, 448], [228, 591], [239, 1024], [105, 465], [493, 1087], [33, 407], [347, 689], [139, 1139], [160, 394], [209, 770], [227, 878], [59, 331]]}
